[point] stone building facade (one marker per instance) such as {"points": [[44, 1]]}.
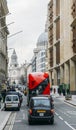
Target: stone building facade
{"points": [[62, 43], [3, 41]]}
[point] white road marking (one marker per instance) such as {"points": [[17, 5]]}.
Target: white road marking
{"points": [[72, 113], [12, 122], [56, 114], [65, 113], [69, 104], [18, 121], [23, 116], [66, 122], [69, 125], [60, 118]]}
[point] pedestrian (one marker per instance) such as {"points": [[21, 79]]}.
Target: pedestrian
{"points": [[51, 89], [63, 92], [3, 94], [54, 90], [59, 91], [68, 92]]}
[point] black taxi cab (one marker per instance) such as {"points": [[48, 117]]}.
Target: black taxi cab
{"points": [[40, 109]]}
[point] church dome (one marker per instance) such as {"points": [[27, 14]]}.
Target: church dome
{"points": [[43, 38]]}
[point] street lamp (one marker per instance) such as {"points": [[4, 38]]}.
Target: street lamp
{"points": [[14, 34], [6, 25], [4, 16]]}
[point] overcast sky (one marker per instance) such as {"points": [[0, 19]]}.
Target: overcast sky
{"points": [[30, 17]]}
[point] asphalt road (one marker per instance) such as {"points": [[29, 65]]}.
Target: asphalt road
{"points": [[66, 113], [65, 118]]}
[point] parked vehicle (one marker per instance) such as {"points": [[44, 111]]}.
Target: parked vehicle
{"points": [[40, 109], [38, 83], [16, 93], [12, 102]]}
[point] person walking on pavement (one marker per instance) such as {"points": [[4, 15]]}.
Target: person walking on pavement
{"points": [[3, 94], [54, 90], [59, 91], [64, 92]]}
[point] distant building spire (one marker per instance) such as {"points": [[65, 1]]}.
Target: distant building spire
{"points": [[14, 62]]}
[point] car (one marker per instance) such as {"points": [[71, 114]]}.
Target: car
{"points": [[16, 93], [12, 102], [40, 109]]}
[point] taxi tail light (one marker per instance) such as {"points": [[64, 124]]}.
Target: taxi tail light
{"points": [[52, 111], [30, 111]]}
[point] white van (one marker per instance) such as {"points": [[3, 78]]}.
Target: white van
{"points": [[12, 102]]}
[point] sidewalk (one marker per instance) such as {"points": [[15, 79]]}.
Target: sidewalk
{"points": [[72, 101], [61, 97], [4, 116]]}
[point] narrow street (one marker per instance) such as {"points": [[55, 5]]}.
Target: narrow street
{"points": [[65, 117]]}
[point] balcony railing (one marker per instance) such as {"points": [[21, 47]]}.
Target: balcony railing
{"points": [[74, 45], [51, 40], [74, 25], [74, 9], [50, 12]]}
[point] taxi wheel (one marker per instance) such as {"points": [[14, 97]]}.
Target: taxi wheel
{"points": [[30, 122], [52, 121]]}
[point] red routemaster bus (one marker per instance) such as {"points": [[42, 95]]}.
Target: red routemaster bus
{"points": [[38, 84]]}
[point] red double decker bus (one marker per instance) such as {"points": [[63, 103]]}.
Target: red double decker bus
{"points": [[38, 84]]}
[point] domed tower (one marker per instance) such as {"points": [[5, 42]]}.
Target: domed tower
{"points": [[42, 41], [14, 62], [42, 44], [40, 52]]}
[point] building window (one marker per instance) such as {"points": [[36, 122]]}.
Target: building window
{"points": [[57, 7], [58, 29], [58, 53]]}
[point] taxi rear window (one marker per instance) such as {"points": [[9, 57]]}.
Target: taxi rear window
{"points": [[42, 102]]}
